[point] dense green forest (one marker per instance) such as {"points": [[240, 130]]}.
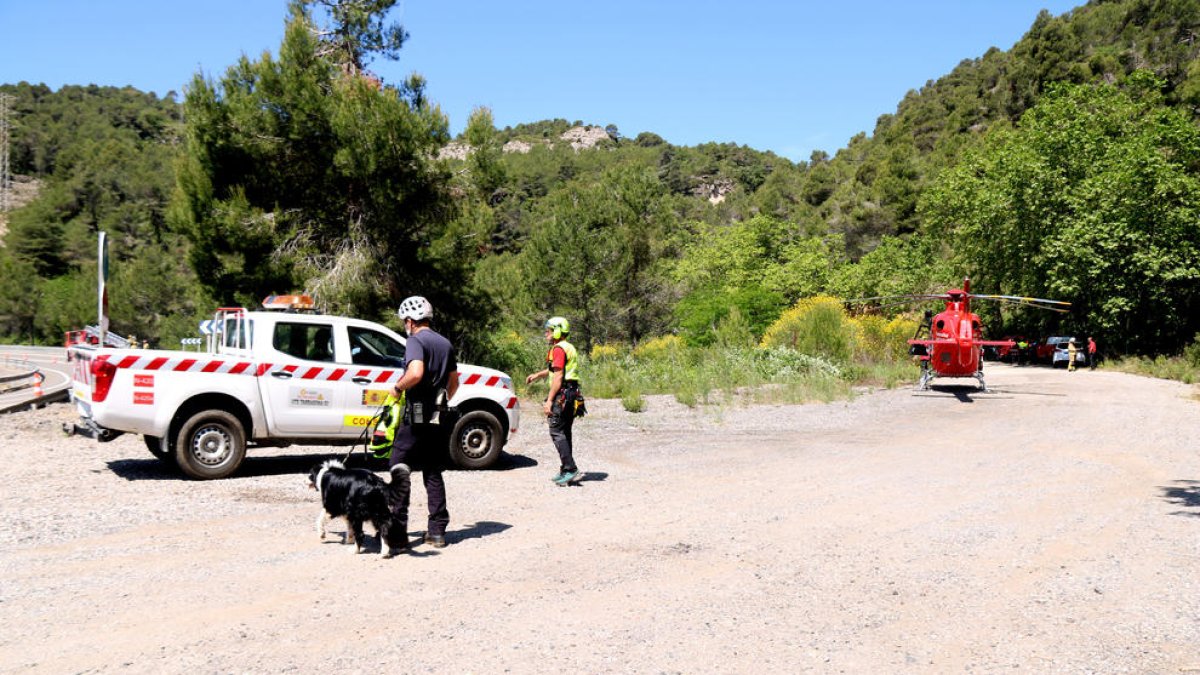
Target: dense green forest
{"points": [[1066, 167]]}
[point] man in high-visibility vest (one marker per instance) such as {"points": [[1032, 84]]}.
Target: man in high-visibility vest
{"points": [[563, 400]]}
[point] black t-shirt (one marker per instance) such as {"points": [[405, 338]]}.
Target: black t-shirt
{"points": [[438, 355]]}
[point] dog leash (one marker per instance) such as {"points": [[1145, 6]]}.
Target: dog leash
{"points": [[362, 438]]}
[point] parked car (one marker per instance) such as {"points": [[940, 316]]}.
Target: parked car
{"points": [[1044, 350], [1011, 354], [1062, 353]]}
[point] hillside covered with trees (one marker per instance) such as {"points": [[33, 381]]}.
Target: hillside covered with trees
{"points": [[1066, 167]]}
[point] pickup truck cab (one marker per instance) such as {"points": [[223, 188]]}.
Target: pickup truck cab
{"points": [[273, 379]]}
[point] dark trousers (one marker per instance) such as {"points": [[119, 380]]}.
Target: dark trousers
{"points": [[417, 446], [562, 418]]}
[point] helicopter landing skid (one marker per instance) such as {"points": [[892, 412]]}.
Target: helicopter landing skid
{"points": [[928, 375]]}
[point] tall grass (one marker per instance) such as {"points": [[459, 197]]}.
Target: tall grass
{"points": [[1165, 367], [814, 352]]}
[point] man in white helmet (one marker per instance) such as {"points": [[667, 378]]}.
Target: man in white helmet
{"points": [[563, 399], [430, 367]]}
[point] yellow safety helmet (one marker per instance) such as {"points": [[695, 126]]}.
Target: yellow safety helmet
{"points": [[558, 326]]}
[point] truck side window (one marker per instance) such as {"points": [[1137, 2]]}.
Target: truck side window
{"points": [[309, 341], [372, 348]]}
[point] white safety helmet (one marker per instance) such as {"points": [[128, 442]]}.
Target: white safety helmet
{"points": [[416, 308]]}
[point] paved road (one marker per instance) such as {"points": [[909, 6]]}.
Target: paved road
{"points": [[52, 361]]}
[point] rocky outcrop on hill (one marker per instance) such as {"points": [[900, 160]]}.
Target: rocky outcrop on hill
{"points": [[582, 138], [517, 146], [579, 138], [454, 151], [24, 190], [713, 189]]}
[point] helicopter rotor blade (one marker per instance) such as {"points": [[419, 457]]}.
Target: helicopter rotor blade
{"points": [[889, 305], [1023, 299], [1025, 302], [912, 297]]}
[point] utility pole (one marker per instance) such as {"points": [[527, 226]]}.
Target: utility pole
{"points": [[5, 174]]}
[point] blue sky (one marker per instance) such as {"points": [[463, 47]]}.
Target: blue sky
{"points": [[785, 76]]}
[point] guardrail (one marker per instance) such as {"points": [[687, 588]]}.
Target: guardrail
{"points": [[29, 378], [21, 379]]}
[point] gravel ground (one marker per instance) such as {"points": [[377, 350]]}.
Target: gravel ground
{"points": [[1050, 526]]}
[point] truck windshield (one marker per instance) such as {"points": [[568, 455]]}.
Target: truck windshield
{"points": [[372, 348]]}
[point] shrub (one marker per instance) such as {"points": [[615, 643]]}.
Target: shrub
{"points": [[667, 346], [1191, 353], [701, 313], [633, 402], [513, 353], [604, 352], [879, 340], [815, 326]]}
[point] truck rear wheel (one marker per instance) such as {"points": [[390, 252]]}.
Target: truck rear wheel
{"points": [[476, 440], [211, 444]]}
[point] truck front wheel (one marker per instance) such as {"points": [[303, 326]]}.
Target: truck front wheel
{"points": [[476, 440], [211, 444]]}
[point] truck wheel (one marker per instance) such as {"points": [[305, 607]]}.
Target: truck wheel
{"points": [[476, 440], [211, 444]]}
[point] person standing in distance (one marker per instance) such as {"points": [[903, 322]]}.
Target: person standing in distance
{"points": [[430, 371], [562, 367]]}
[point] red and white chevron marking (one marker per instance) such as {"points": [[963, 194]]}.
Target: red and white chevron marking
{"points": [[491, 381], [334, 373], [221, 366]]}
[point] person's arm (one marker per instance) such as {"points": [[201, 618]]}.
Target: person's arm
{"points": [[412, 375], [451, 386], [534, 377], [556, 380]]}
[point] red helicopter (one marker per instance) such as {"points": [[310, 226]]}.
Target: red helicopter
{"points": [[948, 344]]}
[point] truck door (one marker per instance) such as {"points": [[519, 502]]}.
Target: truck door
{"points": [[301, 388], [378, 361]]}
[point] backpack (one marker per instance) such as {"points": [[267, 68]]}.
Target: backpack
{"points": [[382, 427]]}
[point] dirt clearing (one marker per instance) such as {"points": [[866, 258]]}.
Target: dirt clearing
{"points": [[1053, 525]]}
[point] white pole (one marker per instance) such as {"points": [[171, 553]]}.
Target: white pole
{"points": [[102, 280]]}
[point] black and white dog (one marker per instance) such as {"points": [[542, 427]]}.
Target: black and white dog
{"points": [[359, 496]]}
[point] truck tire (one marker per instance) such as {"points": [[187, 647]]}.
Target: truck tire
{"points": [[476, 440], [211, 444]]}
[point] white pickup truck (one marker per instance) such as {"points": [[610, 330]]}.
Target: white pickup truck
{"points": [[272, 379]]}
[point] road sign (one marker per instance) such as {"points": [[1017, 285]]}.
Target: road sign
{"points": [[209, 327]]}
